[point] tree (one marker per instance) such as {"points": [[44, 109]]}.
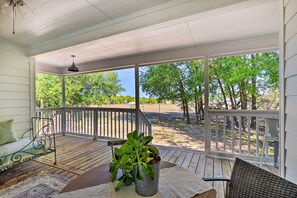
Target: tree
{"points": [[181, 81], [48, 91], [81, 90], [92, 89], [166, 82]]}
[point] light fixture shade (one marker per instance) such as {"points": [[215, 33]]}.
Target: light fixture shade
{"points": [[73, 68]]}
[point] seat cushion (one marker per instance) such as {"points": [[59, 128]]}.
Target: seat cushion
{"points": [[7, 134], [13, 147]]}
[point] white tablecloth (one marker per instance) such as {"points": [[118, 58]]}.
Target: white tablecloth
{"points": [[174, 182]]}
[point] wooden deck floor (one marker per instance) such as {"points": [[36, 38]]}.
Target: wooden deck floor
{"points": [[76, 155]]}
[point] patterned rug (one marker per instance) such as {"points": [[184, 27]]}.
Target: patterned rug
{"points": [[42, 186]]}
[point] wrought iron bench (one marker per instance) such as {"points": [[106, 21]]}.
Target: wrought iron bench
{"points": [[37, 141], [248, 180]]}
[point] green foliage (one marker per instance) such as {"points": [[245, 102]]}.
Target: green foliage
{"points": [[238, 73], [241, 78], [92, 89], [164, 81], [48, 91], [135, 152]]}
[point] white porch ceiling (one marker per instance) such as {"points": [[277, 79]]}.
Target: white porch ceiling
{"points": [[106, 33], [53, 18]]}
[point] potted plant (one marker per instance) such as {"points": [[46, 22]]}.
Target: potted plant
{"points": [[139, 162]]}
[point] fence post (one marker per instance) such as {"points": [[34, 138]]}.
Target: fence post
{"points": [[95, 121]]}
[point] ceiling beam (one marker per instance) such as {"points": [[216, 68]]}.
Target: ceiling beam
{"points": [[172, 10]]}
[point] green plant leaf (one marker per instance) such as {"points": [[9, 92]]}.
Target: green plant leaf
{"points": [[148, 159], [146, 140], [118, 152], [139, 176], [148, 170], [153, 149], [126, 148], [118, 185]]}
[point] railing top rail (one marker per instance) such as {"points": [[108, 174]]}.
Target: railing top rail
{"points": [[129, 110], [256, 113], [144, 118]]}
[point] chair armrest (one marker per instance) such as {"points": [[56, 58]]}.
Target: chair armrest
{"points": [[216, 179], [115, 142]]}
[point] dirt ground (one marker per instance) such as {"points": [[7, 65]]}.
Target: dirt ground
{"points": [[169, 127]]}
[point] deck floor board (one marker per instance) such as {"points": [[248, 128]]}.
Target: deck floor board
{"points": [[76, 155]]}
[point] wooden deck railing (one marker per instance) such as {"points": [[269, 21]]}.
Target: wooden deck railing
{"points": [[96, 122], [238, 132]]}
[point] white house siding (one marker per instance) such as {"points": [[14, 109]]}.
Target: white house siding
{"points": [[15, 86], [289, 89]]}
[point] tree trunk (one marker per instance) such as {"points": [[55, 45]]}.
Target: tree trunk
{"points": [[201, 108], [183, 94], [233, 106], [223, 92], [234, 97], [187, 112], [183, 108], [196, 106], [243, 99]]}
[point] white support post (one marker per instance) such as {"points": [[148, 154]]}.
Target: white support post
{"points": [[137, 97], [282, 89], [207, 129], [32, 63], [63, 105]]}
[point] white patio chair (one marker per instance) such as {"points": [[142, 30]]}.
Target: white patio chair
{"points": [[271, 133]]}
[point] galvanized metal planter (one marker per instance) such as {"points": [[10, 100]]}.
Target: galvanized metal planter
{"points": [[147, 186]]}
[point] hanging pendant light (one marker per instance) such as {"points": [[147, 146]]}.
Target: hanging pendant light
{"points": [[73, 68]]}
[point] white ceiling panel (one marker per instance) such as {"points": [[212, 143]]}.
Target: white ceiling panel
{"points": [[43, 20], [144, 42], [238, 24], [190, 32], [118, 8]]}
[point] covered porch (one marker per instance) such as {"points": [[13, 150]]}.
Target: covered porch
{"points": [[149, 34], [158, 43]]}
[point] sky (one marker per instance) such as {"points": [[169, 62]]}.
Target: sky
{"points": [[127, 79]]}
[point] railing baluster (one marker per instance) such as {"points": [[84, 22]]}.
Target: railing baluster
{"points": [[108, 133], [123, 124], [249, 135], [85, 123], [111, 124], [114, 129], [100, 117], [240, 126], [131, 121], [217, 134], [257, 136], [119, 124], [127, 122], [72, 119], [104, 124], [224, 132], [232, 133]]}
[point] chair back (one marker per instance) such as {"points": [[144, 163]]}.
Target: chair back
{"points": [[248, 180], [272, 124]]}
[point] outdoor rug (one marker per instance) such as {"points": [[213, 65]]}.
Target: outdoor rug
{"points": [[42, 186]]}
